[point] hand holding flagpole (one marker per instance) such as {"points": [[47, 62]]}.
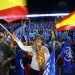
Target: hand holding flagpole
{"points": [[20, 44], [5, 29], [14, 37]]}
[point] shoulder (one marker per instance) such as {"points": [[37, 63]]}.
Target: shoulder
{"points": [[45, 49]]}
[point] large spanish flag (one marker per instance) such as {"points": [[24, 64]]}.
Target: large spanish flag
{"points": [[67, 22], [11, 10]]}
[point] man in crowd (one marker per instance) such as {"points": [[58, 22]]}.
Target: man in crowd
{"points": [[6, 55]]}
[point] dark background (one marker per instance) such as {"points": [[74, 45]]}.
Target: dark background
{"points": [[50, 6]]}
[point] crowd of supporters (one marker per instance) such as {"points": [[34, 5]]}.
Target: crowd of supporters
{"points": [[10, 26], [53, 40]]}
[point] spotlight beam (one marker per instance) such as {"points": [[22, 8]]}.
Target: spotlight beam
{"points": [[36, 15]]}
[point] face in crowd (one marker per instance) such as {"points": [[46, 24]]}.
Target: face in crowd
{"points": [[38, 40]]}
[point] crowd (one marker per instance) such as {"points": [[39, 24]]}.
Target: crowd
{"points": [[53, 40], [10, 26]]}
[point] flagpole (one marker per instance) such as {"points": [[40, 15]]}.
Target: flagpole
{"points": [[20, 44], [57, 58], [5, 29], [9, 33]]}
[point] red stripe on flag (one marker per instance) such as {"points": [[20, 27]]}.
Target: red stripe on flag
{"points": [[65, 17], [67, 27], [14, 11]]}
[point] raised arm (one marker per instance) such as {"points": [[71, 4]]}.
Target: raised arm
{"points": [[20, 44]]}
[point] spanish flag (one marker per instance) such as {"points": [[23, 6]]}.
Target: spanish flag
{"points": [[12, 43], [68, 22], [53, 34], [11, 10]]}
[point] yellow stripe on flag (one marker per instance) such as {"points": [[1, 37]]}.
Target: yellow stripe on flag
{"points": [[12, 44], [53, 34], [5, 4], [68, 21]]}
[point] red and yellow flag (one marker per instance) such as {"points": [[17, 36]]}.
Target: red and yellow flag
{"points": [[53, 34], [12, 43], [11, 10], [67, 22]]}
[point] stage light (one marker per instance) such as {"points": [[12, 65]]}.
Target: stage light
{"points": [[36, 15], [47, 15]]}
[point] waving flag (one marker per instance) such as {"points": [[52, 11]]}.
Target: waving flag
{"points": [[53, 34], [67, 53], [50, 65], [67, 22], [12, 43], [11, 10]]}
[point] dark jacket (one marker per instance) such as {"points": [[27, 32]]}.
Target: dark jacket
{"points": [[7, 53]]}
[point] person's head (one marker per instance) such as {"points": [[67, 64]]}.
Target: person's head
{"points": [[38, 40]]}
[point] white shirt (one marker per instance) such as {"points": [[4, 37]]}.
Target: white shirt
{"points": [[34, 63]]}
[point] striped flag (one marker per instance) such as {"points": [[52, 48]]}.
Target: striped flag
{"points": [[53, 34], [11, 10], [67, 22], [12, 43]]}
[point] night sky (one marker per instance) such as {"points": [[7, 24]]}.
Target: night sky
{"points": [[50, 6]]}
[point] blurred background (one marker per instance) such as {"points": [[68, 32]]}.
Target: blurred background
{"points": [[50, 6]]}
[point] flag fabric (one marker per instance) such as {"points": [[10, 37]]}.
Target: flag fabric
{"points": [[50, 65], [68, 22], [11, 10], [12, 43], [53, 34], [27, 41], [40, 57], [67, 54], [19, 65]]}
